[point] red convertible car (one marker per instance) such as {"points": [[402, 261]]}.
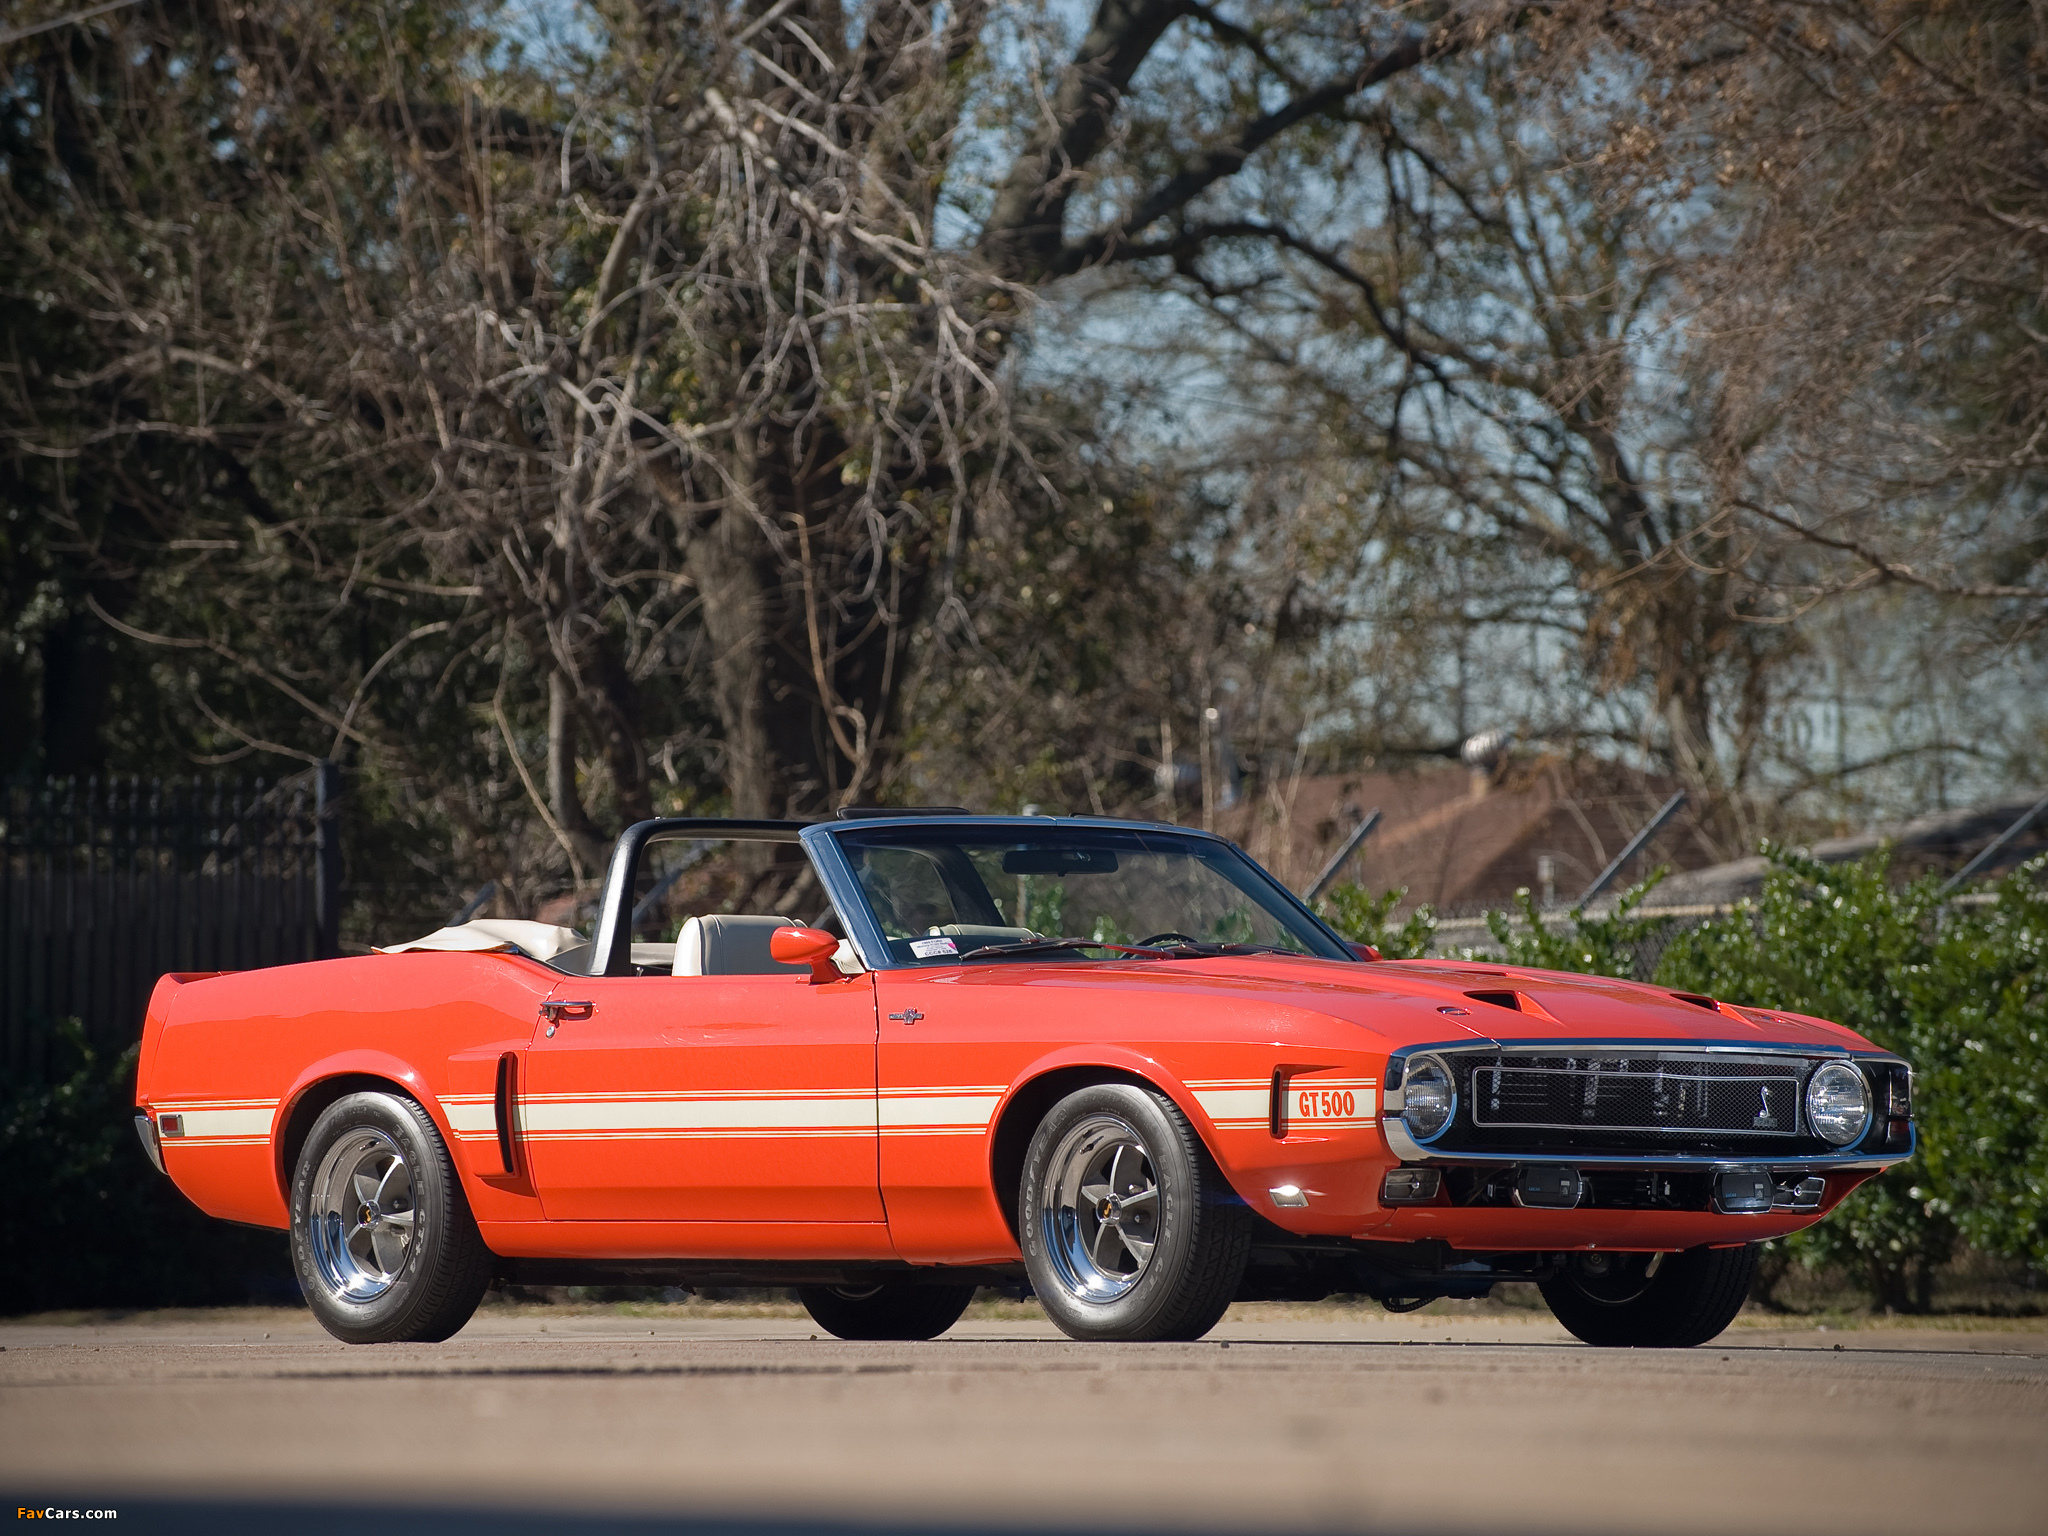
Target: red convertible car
{"points": [[1116, 1062]]}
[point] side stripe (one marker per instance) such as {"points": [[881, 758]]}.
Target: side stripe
{"points": [[559, 1117], [938, 1111], [221, 1122], [1234, 1103], [471, 1116]]}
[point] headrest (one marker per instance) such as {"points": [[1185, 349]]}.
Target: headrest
{"points": [[731, 944]]}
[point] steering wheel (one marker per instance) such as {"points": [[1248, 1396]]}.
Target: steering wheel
{"points": [[1158, 940]]}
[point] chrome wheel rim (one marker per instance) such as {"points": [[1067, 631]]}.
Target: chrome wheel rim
{"points": [[1100, 1209], [363, 1223]]}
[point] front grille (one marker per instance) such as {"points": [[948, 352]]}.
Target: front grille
{"points": [[1748, 1097], [1675, 1103]]}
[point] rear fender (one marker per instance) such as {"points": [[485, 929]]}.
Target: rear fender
{"points": [[349, 1072]]}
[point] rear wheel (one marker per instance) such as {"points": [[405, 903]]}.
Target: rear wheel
{"points": [[1651, 1300], [382, 1239], [1130, 1231], [894, 1309]]}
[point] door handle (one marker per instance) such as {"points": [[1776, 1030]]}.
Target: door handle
{"points": [[555, 1012]]}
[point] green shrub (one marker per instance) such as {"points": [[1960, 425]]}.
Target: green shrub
{"points": [[1608, 945], [92, 1224], [1363, 918], [1958, 989], [1840, 941]]}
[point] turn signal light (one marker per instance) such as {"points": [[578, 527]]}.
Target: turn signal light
{"points": [[1900, 1096]]}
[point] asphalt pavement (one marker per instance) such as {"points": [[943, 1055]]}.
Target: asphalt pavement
{"points": [[1309, 1419]]}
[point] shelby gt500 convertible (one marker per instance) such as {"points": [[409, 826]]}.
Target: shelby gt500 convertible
{"points": [[1117, 1063]]}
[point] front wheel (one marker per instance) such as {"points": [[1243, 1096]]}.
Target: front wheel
{"points": [[1130, 1231], [382, 1239], [890, 1310], [1651, 1300]]}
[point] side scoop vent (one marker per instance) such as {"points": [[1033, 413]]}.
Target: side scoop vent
{"points": [[1698, 1001]]}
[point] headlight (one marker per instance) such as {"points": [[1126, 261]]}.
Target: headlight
{"points": [[1837, 1103], [1431, 1098]]}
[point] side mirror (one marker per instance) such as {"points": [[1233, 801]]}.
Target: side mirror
{"points": [[1365, 951], [805, 946]]}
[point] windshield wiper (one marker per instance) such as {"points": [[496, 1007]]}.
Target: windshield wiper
{"points": [[1210, 951], [1151, 951], [1049, 946]]}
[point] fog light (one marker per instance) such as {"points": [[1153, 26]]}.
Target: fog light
{"points": [[1743, 1192], [1801, 1194], [1411, 1186], [1289, 1195], [1548, 1188]]}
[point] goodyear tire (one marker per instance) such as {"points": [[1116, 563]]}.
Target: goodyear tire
{"points": [[383, 1241], [1129, 1230], [1651, 1300], [893, 1309]]}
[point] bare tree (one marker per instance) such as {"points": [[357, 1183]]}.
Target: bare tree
{"points": [[1487, 315], [1870, 313], [652, 386]]}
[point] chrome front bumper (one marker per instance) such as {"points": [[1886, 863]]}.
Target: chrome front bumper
{"points": [[1408, 1150]]}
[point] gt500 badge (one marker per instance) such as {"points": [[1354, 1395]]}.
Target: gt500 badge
{"points": [[1327, 1104], [1331, 1103]]}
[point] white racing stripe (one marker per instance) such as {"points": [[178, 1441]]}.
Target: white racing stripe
{"points": [[221, 1122], [938, 1111], [558, 1118], [1235, 1103], [472, 1114], [1313, 1102]]}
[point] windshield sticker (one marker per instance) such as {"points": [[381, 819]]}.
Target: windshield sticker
{"points": [[931, 949]]}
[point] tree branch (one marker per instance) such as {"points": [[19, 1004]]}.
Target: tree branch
{"points": [[1203, 171], [1887, 570]]}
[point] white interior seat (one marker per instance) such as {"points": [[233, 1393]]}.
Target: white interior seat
{"points": [[730, 944]]}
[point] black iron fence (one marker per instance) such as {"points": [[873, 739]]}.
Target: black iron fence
{"points": [[104, 886]]}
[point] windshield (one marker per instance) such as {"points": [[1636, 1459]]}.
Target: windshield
{"points": [[946, 893]]}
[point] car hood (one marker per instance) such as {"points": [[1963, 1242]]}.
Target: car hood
{"points": [[1411, 1002]]}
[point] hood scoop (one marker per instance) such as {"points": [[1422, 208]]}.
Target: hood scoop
{"points": [[1518, 1002]]}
